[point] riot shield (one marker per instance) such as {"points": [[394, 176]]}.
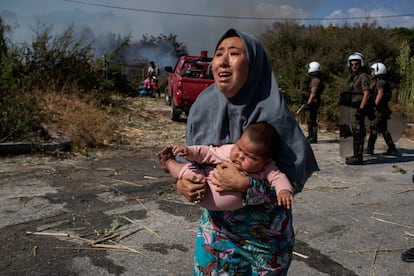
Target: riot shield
{"points": [[346, 117], [396, 125]]}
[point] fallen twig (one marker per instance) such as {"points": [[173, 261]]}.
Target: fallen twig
{"points": [[34, 250], [374, 258], [48, 234], [408, 234], [145, 207], [116, 246], [382, 214], [405, 191], [113, 235], [367, 203], [113, 246], [130, 233], [84, 248], [131, 249], [323, 178], [53, 225], [384, 250], [143, 226], [300, 255], [394, 223], [124, 181], [324, 188]]}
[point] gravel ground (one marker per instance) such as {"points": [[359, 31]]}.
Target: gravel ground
{"points": [[115, 212]]}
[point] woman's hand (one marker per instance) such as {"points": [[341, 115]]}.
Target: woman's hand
{"points": [[226, 177], [192, 187]]}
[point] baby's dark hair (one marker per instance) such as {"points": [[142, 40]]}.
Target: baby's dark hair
{"points": [[263, 133]]}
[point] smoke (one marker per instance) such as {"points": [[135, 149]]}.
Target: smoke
{"points": [[156, 17], [195, 31], [163, 54]]}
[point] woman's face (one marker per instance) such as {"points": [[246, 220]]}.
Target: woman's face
{"points": [[230, 66]]}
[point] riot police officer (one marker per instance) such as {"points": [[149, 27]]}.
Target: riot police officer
{"points": [[360, 95], [312, 99], [381, 93]]}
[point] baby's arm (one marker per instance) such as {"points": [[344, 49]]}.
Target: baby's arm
{"points": [[285, 198], [282, 185]]}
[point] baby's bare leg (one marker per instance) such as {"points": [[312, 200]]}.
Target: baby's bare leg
{"points": [[168, 162], [221, 201], [164, 156]]}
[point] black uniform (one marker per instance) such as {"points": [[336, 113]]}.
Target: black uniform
{"points": [[313, 107], [382, 114], [359, 83]]}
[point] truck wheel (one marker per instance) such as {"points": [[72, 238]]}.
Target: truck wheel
{"points": [[167, 97], [175, 113]]}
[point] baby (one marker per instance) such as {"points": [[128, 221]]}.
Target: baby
{"points": [[251, 154]]}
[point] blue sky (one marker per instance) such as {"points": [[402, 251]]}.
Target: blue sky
{"points": [[198, 32]]}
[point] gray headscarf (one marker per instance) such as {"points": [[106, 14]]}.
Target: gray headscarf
{"points": [[216, 120]]}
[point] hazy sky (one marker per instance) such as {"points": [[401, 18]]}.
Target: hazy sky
{"points": [[197, 23]]}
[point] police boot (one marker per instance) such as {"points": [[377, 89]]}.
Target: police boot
{"points": [[313, 137], [371, 143], [357, 159], [309, 132], [392, 150]]}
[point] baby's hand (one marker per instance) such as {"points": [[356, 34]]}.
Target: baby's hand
{"points": [[285, 198], [180, 151]]}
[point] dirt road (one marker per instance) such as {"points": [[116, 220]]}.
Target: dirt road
{"points": [[117, 213]]}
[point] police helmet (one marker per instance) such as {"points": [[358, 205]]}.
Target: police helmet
{"points": [[379, 68], [313, 67], [356, 56]]}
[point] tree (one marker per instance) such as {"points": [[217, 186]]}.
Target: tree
{"points": [[291, 46]]}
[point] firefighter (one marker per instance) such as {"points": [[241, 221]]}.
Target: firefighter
{"points": [[359, 95], [312, 99], [381, 93]]}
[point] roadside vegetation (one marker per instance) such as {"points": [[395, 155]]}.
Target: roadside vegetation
{"points": [[291, 47], [59, 84]]}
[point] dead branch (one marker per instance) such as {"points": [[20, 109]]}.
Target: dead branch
{"points": [[374, 258], [367, 203], [300, 255], [141, 225], [394, 223], [124, 181], [113, 235], [48, 234]]}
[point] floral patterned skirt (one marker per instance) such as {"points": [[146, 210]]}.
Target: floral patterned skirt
{"points": [[254, 240]]}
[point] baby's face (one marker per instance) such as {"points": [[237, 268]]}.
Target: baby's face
{"points": [[246, 155]]}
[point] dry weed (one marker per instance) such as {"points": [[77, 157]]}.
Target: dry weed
{"points": [[141, 121], [80, 120]]}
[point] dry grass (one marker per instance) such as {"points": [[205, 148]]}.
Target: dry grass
{"points": [[139, 122], [79, 120], [147, 123]]}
